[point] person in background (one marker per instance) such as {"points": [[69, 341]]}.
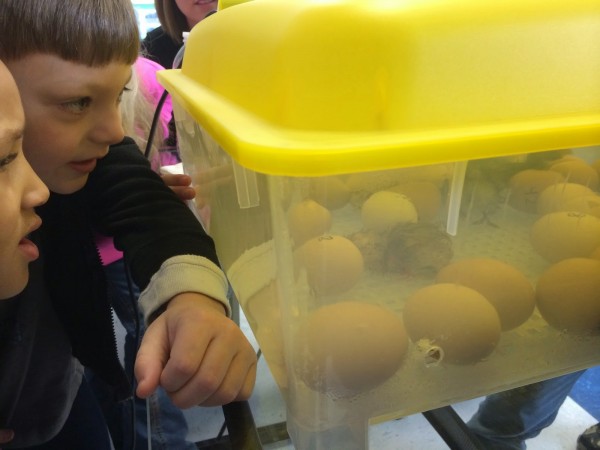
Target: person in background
{"points": [[100, 181], [175, 16], [162, 44], [506, 420]]}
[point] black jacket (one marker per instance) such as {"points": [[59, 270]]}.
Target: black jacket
{"points": [[122, 198], [160, 47], [125, 199]]}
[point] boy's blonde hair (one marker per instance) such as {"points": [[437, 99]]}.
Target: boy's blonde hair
{"points": [[90, 32], [137, 114]]}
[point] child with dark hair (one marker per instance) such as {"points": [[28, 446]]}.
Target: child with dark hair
{"points": [[71, 60]]}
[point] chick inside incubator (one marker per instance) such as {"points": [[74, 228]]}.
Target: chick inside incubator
{"points": [[412, 249]]}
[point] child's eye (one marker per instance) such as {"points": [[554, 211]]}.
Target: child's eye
{"points": [[77, 106], [125, 89], [6, 160]]}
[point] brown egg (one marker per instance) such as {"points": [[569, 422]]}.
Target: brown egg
{"points": [[331, 192], [349, 347], [308, 219], [526, 186], [333, 264], [457, 319], [565, 158], [565, 234], [588, 204], [425, 195], [568, 295], [383, 210], [554, 197], [577, 171], [505, 287]]}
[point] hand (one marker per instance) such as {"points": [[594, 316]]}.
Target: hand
{"points": [[180, 184], [197, 354]]}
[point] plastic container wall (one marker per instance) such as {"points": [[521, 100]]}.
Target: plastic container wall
{"points": [[404, 196]]}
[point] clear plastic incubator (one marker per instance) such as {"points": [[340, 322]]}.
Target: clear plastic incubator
{"points": [[404, 194]]}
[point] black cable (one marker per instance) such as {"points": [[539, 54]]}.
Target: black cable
{"points": [[155, 121]]}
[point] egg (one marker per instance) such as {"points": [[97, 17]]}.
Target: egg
{"points": [[565, 234], [568, 295], [456, 319], [385, 209], [577, 171], [331, 192], [425, 195], [588, 204], [525, 187], [504, 286], [349, 347], [554, 197], [308, 219], [333, 264]]}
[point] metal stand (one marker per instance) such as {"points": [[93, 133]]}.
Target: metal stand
{"points": [[243, 434], [452, 429]]}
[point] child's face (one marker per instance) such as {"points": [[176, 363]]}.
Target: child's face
{"points": [[20, 190], [72, 113]]}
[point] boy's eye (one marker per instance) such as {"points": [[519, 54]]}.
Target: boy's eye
{"points": [[125, 89], [6, 160], [77, 106]]}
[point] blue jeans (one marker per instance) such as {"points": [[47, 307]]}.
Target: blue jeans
{"points": [[505, 420], [169, 426]]}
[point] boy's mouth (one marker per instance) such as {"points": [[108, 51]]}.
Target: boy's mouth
{"points": [[85, 166]]}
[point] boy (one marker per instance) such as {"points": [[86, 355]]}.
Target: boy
{"points": [[21, 191], [71, 60]]}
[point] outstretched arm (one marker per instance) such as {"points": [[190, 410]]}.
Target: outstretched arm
{"points": [[208, 361]]}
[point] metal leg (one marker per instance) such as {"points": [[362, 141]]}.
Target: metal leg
{"points": [[452, 429], [241, 427]]}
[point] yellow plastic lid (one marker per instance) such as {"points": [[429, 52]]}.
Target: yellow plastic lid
{"points": [[320, 87], [222, 4]]}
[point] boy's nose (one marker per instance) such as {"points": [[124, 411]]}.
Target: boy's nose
{"points": [[110, 129]]}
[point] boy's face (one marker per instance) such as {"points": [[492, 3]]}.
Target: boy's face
{"points": [[20, 190], [72, 113]]}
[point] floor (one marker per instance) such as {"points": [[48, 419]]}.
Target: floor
{"points": [[413, 432]]}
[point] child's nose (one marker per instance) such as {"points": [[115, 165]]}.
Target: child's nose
{"points": [[36, 192], [110, 129]]}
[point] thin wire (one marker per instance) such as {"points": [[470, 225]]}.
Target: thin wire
{"points": [[136, 320], [148, 424]]}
